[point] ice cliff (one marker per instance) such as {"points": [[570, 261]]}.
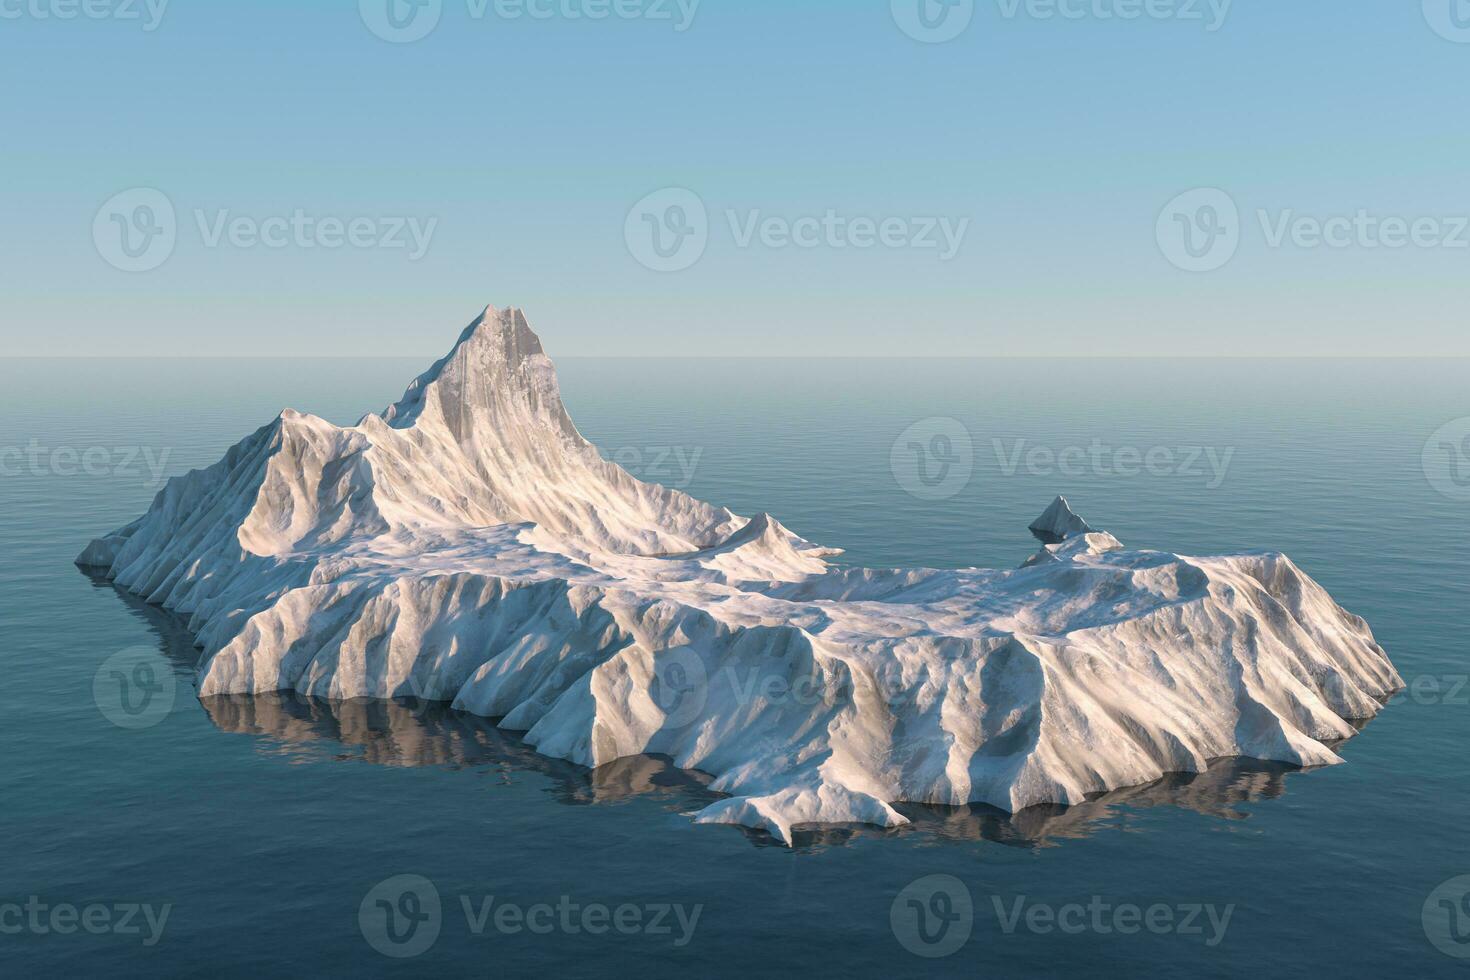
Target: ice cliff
{"points": [[468, 545]]}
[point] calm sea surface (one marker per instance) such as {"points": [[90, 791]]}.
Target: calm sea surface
{"points": [[263, 826]]}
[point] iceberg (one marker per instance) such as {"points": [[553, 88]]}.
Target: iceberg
{"points": [[468, 545]]}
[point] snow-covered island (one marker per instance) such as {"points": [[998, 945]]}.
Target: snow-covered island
{"points": [[468, 545]]}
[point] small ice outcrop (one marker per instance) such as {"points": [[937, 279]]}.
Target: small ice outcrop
{"points": [[102, 552], [1067, 537], [1058, 523], [1078, 546], [468, 545]]}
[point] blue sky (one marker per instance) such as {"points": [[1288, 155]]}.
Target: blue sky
{"points": [[520, 147]]}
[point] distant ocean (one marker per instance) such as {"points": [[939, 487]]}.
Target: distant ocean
{"points": [[247, 835]]}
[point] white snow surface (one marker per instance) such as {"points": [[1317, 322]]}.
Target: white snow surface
{"points": [[469, 545]]}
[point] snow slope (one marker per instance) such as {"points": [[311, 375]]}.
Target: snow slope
{"points": [[468, 545]]}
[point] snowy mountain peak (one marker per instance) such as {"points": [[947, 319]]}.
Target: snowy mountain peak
{"points": [[496, 378], [506, 330]]}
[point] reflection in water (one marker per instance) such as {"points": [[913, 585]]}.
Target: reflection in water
{"points": [[409, 733], [424, 733], [415, 733]]}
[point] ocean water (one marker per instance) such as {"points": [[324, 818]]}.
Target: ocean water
{"points": [[263, 827]]}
